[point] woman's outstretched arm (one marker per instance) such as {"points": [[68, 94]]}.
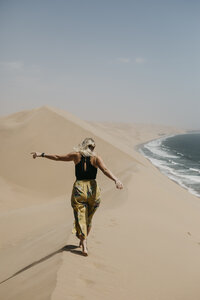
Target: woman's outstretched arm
{"points": [[100, 163], [66, 157]]}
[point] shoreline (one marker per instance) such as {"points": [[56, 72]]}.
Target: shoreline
{"points": [[138, 146], [154, 139]]}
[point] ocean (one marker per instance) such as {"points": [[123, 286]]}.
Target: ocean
{"points": [[178, 157]]}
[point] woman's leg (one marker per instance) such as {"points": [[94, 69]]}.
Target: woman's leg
{"points": [[83, 243], [81, 232], [80, 208], [93, 204], [80, 224], [88, 229]]}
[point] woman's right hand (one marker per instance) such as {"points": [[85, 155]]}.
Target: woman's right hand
{"points": [[36, 154], [118, 184]]}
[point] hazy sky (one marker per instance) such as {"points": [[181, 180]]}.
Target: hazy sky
{"points": [[128, 61]]}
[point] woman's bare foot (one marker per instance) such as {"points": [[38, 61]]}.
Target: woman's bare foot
{"points": [[84, 247]]}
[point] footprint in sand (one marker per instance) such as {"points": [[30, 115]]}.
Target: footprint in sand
{"points": [[78, 297], [113, 222], [103, 267], [100, 266], [189, 233], [97, 242], [87, 281]]}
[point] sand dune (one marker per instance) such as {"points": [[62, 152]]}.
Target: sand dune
{"points": [[144, 244], [51, 131]]}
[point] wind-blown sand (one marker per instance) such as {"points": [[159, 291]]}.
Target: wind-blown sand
{"points": [[145, 240]]}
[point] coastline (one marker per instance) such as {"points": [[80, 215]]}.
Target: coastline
{"points": [[155, 139], [139, 147]]}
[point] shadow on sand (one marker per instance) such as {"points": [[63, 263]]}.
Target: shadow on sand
{"points": [[71, 248]]}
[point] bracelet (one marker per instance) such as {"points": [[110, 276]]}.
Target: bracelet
{"points": [[42, 154]]}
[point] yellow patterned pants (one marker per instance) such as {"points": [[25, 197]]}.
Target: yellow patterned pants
{"points": [[85, 200]]}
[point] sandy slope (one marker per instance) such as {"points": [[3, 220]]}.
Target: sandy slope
{"points": [[144, 244]]}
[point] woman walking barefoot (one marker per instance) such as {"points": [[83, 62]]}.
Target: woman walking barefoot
{"points": [[85, 197]]}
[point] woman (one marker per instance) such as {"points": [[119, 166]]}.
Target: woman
{"points": [[85, 197]]}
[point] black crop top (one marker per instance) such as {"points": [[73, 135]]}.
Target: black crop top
{"points": [[90, 172]]}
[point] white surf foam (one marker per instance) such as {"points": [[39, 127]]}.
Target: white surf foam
{"points": [[196, 170], [154, 145], [180, 176]]}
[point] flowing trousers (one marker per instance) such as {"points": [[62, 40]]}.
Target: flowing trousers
{"points": [[85, 200]]}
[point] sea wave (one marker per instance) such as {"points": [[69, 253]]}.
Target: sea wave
{"points": [[174, 166], [155, 147], [196, 170]]}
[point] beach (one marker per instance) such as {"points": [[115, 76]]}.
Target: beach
{"points": [[145, 239]]}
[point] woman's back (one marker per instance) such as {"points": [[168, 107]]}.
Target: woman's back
{"points": [[84, 169]]}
